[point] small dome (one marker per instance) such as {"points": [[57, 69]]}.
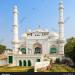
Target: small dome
{"points": [[15, 6], [24, 35], [29, 30], [53, 35]]}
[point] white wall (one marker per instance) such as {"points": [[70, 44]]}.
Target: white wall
{"points": [[3, 62]]}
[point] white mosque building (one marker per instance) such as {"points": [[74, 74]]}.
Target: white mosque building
{"points": [[35, 44]]}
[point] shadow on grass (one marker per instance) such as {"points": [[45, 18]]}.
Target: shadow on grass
{"points": [[31, 70]]}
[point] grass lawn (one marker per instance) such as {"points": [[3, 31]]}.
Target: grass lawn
{"points": [[59, 68], [55, 68], [16, 69]]}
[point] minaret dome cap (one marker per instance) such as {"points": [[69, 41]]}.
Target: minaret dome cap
{"points": [[15, 6], [15, 10], [61, 1]]}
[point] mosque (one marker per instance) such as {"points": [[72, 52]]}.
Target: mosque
{"points": [[35, 44]]}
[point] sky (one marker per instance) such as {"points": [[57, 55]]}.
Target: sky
{"points": [[33, 13]]}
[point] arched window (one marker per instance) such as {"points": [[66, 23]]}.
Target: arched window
{"points": [[37, 50], [20, 63], [53, 50], [38, 60], [23, 50], [29, 63], [24, 62]]}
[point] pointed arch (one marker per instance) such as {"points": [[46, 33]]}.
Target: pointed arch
{"points": [[24, 62], [37, 48], [29, 63], [20, 63]]}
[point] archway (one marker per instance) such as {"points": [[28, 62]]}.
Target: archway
{"points": [[29, 63], [20, 63], [24, 63], [37, 48]]}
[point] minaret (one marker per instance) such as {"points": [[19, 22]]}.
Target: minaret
{"points": [[15, 29], [61, 20], [61, 28]]}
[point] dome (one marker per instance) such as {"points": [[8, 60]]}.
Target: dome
{"points": [[40, 30], [53, 34], [24, 35]]}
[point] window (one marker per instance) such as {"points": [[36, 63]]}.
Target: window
{"points": [[10, 59], [20, 63], [38, 60], [53, 50], [29, 63], [24, 62], [23, 50], [37, 50]]}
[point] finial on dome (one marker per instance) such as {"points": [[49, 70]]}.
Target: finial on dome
{"points": [[38, 26]]}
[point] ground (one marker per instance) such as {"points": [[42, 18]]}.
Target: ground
{"points": [[55, 68]]}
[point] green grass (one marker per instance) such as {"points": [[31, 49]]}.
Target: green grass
{"points": [[16, 69], [55, 68], [59, 68]]}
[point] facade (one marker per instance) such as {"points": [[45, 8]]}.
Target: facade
{"points": [[35, 44]]}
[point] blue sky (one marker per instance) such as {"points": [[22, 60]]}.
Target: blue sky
{"points": [[33, 13]]}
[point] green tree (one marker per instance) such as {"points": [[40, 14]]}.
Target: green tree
{"points": [[2, 48], [70, 48]]}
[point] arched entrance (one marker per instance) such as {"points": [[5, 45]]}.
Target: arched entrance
{"points": [[20, 63], [29, 63], [37, 48], [24, 63]]}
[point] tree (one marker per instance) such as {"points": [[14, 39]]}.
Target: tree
{"points": [[70, 48], [2, 48]]}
